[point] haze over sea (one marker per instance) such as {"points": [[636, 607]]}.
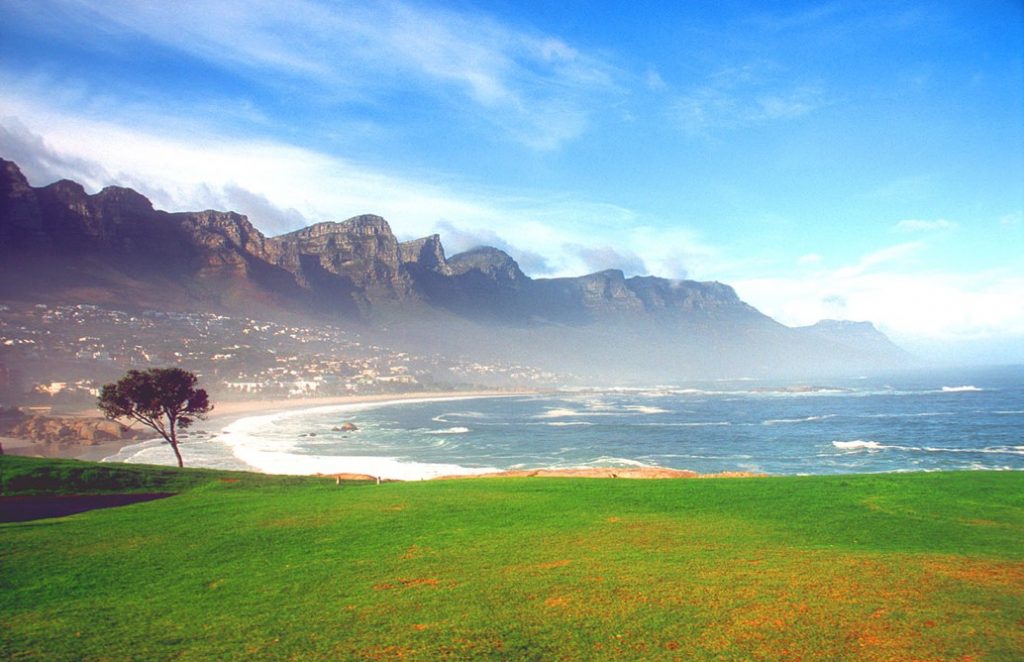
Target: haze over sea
{"points": [[922, 421]]}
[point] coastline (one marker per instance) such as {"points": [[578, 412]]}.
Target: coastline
{"points": [[226, 413], [589, 434]]}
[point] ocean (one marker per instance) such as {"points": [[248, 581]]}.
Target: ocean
{"points": [[916, 421]]}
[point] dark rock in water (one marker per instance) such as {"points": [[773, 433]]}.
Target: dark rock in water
{"points": [[348, 427]]}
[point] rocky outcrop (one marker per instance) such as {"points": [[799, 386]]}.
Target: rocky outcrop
{"points": [[861, 337], [87, 431], [359, 258], [426, 254], [487, 264]]}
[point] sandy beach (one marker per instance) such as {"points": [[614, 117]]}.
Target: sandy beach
{"points": [[226, 413]]}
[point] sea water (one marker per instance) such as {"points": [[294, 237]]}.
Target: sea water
{"points": [[924, 421]]}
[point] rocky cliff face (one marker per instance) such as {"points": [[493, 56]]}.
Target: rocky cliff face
{"points": [[19, 210], [488, 264], [346, 268], [360, 255]]}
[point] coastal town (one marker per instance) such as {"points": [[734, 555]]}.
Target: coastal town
{"points": [[58, 356]]}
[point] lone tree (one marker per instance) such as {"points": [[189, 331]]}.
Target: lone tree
{"points": [[164, 399]]}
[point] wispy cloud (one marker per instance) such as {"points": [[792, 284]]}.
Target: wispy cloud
{"points": [[39, 161], [754, 94], [537, 88], [456, 240], [918, 225], [915, 187], [1014, 220], [890, 255], [600, 258], [812, 17]]}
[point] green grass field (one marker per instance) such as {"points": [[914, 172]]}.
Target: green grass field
{"points": [[882, 567]]}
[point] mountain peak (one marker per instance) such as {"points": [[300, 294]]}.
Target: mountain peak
{"points": [[126, 199], [11, 177], [492, 262], [367, 223], [845, 325]]}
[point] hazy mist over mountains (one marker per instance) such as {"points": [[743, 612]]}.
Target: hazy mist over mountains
{"points": [[63, 245]]}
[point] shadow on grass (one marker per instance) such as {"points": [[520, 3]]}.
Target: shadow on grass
{"points": [[28, 508]]}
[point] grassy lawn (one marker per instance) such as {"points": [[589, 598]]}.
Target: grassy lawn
{"points": [[886, 567]]}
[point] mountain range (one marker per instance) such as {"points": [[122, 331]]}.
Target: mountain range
{"points": [[60, 243]]}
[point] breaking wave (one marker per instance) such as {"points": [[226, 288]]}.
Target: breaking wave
{"points": [[805, 419], [858, 444], [558, 413], [641, 409]]}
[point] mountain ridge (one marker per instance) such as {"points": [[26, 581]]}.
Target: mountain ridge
{"points": [[60, 242]]}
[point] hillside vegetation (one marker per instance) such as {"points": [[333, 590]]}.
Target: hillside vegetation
{"points": [[909, 566]]}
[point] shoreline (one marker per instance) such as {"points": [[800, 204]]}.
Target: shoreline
{"points": [[634, 473], [227, 413]]}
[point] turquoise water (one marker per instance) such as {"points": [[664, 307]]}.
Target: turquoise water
{"points": [[912, 422]]}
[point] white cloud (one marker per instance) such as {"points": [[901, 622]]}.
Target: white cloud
{"points": [[535, 87], [809, 259], [917, 225]]}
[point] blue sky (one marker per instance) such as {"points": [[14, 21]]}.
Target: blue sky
{"points": [[855, 160]]}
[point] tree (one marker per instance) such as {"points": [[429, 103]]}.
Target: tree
{"points": [[165, 399]]}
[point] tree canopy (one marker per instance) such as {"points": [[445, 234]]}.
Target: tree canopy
{"points": [[164, 399]]}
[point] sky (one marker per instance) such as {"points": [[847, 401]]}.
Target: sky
{"points": [[845, 160]]}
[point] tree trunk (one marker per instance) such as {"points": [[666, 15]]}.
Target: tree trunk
{"points": [[174, 444]]}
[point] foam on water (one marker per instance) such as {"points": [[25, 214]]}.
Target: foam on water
{"points": [[1004, 450], [805, 419], [558, 413]]}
